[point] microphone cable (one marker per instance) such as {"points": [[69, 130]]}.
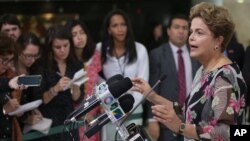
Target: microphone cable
{"points": [[65, 128], [116, 133]]}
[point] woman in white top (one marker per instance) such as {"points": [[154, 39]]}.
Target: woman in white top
{"points": [[122, 55]]}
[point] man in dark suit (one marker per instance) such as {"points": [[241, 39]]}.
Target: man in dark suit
{"points": [[165, 60]]}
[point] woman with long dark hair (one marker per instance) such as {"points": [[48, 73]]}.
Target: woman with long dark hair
{"points": [[121, 54], [57, 70], [90, 56]]}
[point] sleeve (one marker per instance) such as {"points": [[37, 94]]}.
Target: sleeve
{"points": [[4, 88], [225, 109], [4, 84]]}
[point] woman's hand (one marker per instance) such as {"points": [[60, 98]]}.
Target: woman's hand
{"points": [[14, 85], [11, 105], [167, 116], [141, 85], [75, 91], [88, 117], [34, 117], [62, 84]]}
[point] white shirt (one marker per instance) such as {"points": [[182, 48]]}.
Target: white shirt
{"points": [[139, 68], [187, 64]]}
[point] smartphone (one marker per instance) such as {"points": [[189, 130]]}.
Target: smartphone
{"points": [[30, 80]]}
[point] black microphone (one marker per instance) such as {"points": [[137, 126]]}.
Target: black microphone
{"points": [[114, 90], [126, 102], [92, 100], [114, 79], [162, 78]]}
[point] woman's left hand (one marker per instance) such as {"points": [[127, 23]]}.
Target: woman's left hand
{"points": [[167, 116], [140, 85], [75, 91], [35, 117]]}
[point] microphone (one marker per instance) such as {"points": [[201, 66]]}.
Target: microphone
{"points": [[162, 78], [103, 93], [136, 132], [114, 79], [126, 102]]}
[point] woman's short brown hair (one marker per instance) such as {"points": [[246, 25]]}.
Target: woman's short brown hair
{"points": [[7, 45], [217, 19]]}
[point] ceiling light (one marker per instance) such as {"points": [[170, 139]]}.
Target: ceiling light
{"points": [[240, 1]]}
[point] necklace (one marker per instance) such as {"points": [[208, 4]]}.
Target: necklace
{"points": [[214, 66], [121, 66]]}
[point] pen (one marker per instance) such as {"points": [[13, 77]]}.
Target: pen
{"points": [[59, 74], [8, 97]]}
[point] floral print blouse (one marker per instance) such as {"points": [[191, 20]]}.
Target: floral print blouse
{"points": [[217, 100]]}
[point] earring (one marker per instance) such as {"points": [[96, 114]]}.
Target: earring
{"points": [[216, 47]]}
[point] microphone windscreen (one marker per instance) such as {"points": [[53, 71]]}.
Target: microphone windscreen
{"points": [[114, 79], [163, 77], [120, 87], [126, 102]]}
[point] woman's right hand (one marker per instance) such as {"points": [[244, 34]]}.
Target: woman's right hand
{"points": [[11, 105], [61, 84], [34, 117], [141, 85], [14, 85]]}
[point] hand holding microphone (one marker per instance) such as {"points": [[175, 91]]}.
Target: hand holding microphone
{"points": [[140, 85], [149, 93], [144, 88]]}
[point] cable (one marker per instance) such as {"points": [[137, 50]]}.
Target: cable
{"points": [[116, 133]]}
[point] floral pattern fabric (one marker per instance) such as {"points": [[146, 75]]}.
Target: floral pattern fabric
{"points": [[92, 67], [216, 101]]}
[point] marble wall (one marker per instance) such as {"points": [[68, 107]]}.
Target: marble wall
{"points": [[241, 15]]}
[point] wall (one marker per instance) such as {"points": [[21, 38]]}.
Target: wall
{"points": [[241, 16]]}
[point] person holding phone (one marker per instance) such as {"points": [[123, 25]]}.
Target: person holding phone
{"points": [[57, 68], [28, 51]]}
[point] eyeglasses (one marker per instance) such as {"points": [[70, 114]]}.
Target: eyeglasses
{"points": [[30, 56], [6, 61]]}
